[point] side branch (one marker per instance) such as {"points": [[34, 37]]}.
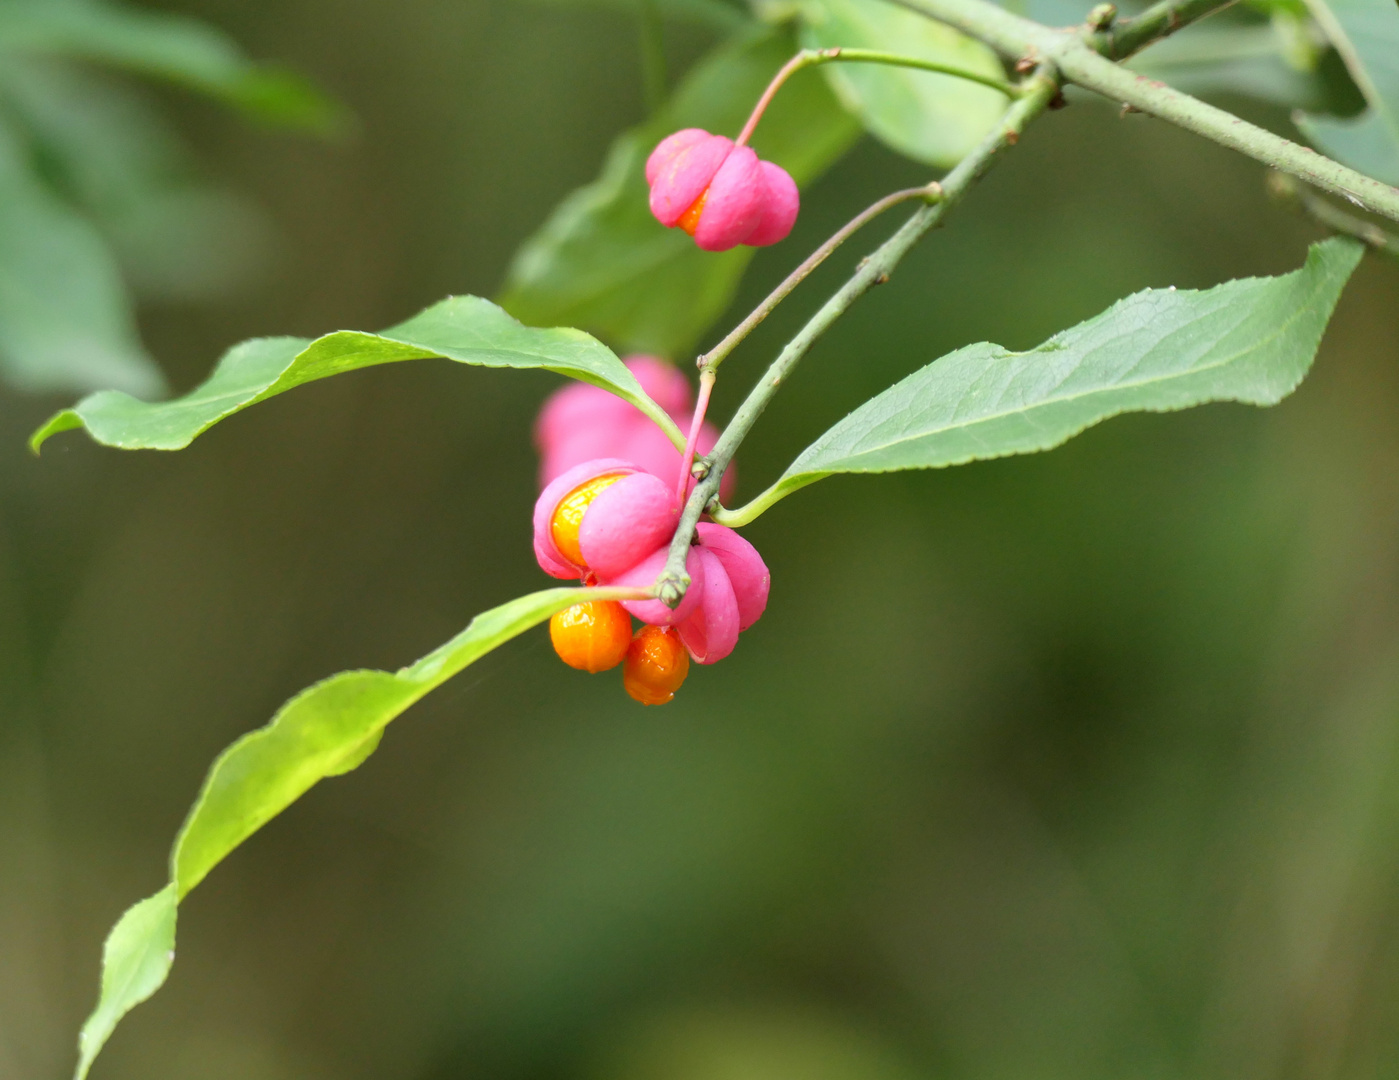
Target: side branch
{"points": [[1078, 62], [1163, 19], [875, 270], [1085, 67]]}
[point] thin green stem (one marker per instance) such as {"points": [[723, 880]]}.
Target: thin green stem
{"points": [[714, 357], [812, 57], [653, 62], [1298, 196], [620, 593], [756, 507], [875, 270], [1078, 62]]}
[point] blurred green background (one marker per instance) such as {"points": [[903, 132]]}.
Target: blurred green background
{"points": [[1080, 765]]}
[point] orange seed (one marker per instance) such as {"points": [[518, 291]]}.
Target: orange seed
{"points": [[593, 636], [657, 664]]}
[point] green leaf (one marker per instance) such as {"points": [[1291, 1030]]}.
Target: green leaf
{"points": [[1216, 58], [603, 263], [1366, 34], [466, 329], [65, 320], [1159, 350], [328, 730], [105, 149], [935, 119], [324, 731], [135, 961], [716, 14], [170, 47]]}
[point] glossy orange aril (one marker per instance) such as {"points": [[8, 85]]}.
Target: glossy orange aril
{"points": [[657, 664], [689, 220], [568, 515], [594, 636]]}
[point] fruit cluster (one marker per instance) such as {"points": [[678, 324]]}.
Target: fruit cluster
{"points": [[609, 521], [612, 485]]}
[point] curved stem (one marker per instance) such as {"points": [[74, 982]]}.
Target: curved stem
{"points": [[812, 57], [756, 507], [875, 270], [931, 192]]}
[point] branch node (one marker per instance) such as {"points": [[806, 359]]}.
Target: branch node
{"points": [[670, 589], [1102, 17]]}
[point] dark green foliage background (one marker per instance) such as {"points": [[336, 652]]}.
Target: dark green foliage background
{"points": [[1079, 765]]}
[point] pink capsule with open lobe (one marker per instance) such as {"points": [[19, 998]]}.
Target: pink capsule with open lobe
{"points": [[743, 565], [736, 584], [622, 525], [744, 200]]}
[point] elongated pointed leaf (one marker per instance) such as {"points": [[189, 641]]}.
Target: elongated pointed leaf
{"points": [[603, 263], [1366, 34], [324, 731], [1159, 350], [172, 47], [935, 119], [135, 961], [466, 329]]}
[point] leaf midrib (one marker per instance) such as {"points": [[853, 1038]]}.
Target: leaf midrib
{"points": [[990, 417]]}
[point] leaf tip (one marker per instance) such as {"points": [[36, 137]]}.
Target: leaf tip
{"points": [[136, 959], [282, 97], [64, 420]]}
